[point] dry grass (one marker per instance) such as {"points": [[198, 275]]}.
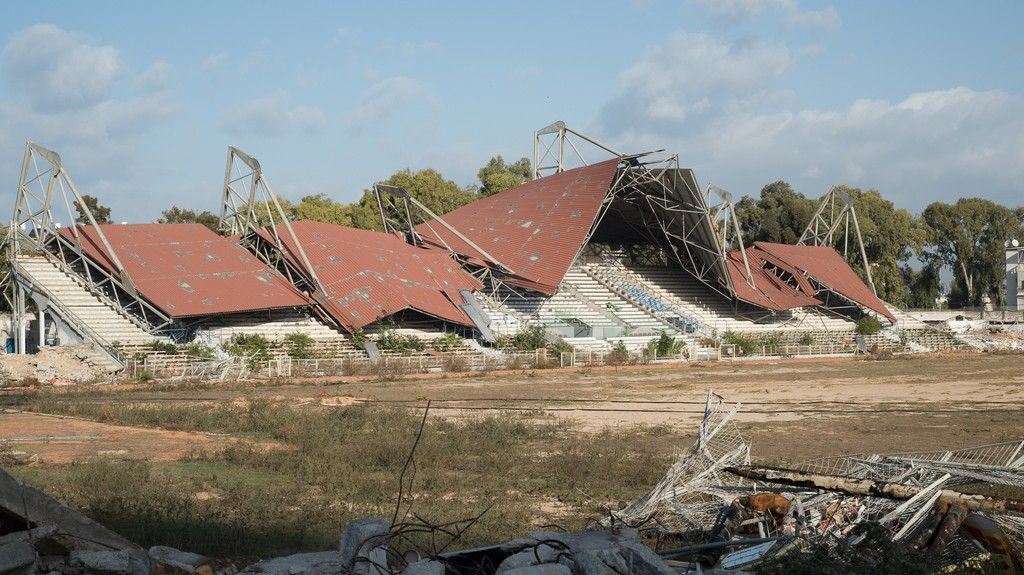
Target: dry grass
{"points": [[342, 463]]}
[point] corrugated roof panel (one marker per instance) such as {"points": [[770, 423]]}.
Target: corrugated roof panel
{"points": [[769, 292], [370, 275], [536, 229], [826, 266], [188, 270]]}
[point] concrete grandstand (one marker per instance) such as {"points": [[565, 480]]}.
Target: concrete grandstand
{"points": [[619, 251]]}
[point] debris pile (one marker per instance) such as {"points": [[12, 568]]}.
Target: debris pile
{"points": [[713, 497], [54, 366]]}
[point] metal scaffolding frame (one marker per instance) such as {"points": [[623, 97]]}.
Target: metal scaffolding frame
{"points": [[834, 215], [669, 200], [396, 206], [248, 205], [44, 189]]}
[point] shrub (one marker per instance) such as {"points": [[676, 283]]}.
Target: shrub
{"points": [[806, 339], [300, 345], [144, 376], [391, 340], [745, 345], [162, 347], [619, 355], [359, 338], [527, 339], [198, 351], [253, 347], [446, 342], [868, 325]]}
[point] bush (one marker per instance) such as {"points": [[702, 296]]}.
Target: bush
{"points": [[527, 339], [391, 340], [745, 345], [454, 364], [868, 325], [446, 342], [162, 347], [253, 347], [806, 339], [300, 345], [198, 351], [619, 355], [359, 338]]}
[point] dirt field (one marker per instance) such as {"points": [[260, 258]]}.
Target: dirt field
{"points": [[792, 409], [527, 449]]}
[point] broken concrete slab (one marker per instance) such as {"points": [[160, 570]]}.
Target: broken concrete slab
{"points": [[425, 567], [109, 562], [171, 561], [319, 563], [17, 558], [546, 569], [363, 546]]}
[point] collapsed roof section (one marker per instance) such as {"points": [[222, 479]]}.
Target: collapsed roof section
{"points": [[769, 291], [187, 270], [828, 269], [367, 275], [536, 229]]}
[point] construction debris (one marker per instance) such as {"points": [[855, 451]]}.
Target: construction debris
{"points": [[714, 497], [54, 366]]}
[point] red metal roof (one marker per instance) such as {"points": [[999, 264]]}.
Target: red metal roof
{"points": [[188, 270], [769, 291], [370, 275], [826, 266], [536, 229]]}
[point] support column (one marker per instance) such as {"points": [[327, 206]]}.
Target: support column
{"points": [[19, 320], [42, 328]]}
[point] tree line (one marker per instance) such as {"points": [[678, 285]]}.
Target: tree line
{"points": [[906, 251], [966, 236]]}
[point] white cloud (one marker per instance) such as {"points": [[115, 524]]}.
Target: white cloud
{"points": [[721, 107], [689, 77], [214, 62], [384, 98], [63, 99], [156, 78], [58, 70], [739, 10], [272, 116], [826, 19]]}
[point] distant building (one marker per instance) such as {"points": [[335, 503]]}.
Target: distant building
{"points": [[1014, 275]]}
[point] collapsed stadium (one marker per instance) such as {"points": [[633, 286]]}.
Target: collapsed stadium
{"points": [[603, 255]]}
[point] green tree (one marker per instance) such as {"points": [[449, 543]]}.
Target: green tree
{"points": [[968, 237], [428, 186], [923, 286], [780, 215], [176, 215], [497, 176], [320, 208], [891, 237], [100, 212]]}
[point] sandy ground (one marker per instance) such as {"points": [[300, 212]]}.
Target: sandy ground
{"points": [[792, 409], [56, 439]]}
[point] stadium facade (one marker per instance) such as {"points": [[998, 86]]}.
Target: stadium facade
{"points": [[621, 250]]}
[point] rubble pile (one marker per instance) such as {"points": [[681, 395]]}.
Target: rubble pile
{"points": [[54, 366], [749, 514]]}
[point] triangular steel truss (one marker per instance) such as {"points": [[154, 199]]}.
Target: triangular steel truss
{"points": [[831, 223], [248, 205]]}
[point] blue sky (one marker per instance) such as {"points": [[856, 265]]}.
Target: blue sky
{"points": [[922, 100]]}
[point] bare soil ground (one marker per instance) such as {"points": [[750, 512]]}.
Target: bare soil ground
{"points": [[56, 439], [792, 409]]}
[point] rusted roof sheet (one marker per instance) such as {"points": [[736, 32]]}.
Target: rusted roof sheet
{"points": [[187, 270], [536, 229], [370, 275], [826, 266], [768, 291]]}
